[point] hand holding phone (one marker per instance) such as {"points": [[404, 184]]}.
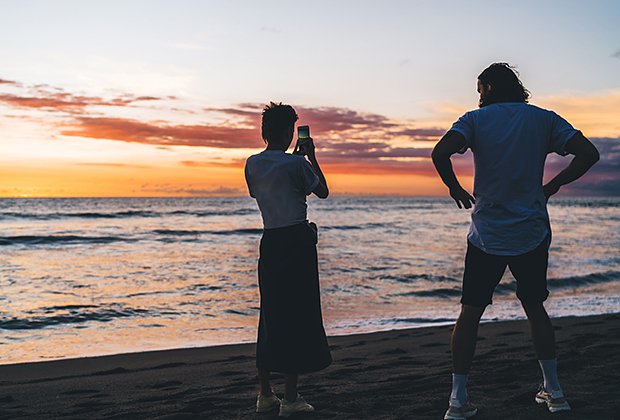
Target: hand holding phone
{"points": [[305, 145]]}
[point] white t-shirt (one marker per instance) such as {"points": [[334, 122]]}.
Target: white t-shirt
{"points": [[510, 142], [280, 183]]}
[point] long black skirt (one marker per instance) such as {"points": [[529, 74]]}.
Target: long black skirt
{"points": [[291, 337]]}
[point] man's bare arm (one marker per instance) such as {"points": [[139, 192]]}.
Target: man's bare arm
{"points": [[450, 144], [585, 154]]}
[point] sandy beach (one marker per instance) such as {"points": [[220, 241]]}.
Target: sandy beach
{"points": [[399, 374]]}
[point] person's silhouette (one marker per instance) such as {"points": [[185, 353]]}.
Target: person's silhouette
{"points": [[291, 337], [510, 140]]}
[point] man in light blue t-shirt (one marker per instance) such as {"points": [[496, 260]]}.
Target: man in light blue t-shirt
{"points": [[510, 140]]}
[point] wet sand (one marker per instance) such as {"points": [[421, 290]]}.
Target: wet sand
{"points": [[400, 374]]}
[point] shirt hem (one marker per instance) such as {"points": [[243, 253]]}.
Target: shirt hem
{"points": [[512, 252]]}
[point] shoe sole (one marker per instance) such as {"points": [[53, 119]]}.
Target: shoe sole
{"points": [[463, 417], [274, 406], [266, 410], [553, 409], [294, 412]]}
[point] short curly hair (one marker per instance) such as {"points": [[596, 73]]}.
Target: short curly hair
{"points": [[276, 118], [505, 85]]}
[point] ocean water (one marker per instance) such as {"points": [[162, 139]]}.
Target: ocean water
{"points": [[82, 277]]}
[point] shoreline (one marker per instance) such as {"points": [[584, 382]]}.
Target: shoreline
{"points": [[437, 324], [396, 374]]}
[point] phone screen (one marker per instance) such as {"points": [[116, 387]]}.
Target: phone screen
{"points": [[303, 131]]}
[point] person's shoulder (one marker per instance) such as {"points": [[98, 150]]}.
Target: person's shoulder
{"points": [[472, 112], [296, 158], [537, 109], [255, 160], [469, 115], [543, 113], [252, 158]]}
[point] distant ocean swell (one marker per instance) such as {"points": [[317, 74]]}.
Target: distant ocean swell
{"points": [[165, 235], [124, 214], [72, 314], [505, 288], [80, 314], [59, 239]]}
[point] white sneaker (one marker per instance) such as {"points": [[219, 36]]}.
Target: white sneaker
{"points": [[266, 403], [555, 400], [458, 411], [298, 406]]}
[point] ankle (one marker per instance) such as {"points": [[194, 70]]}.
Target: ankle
{"points": [[549, 370], [459, 389]]}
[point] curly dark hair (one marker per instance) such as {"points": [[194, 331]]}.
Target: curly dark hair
{"points": [[505, 85], [276, 118]]}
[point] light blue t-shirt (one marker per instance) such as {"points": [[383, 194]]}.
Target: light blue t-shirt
{"points": [[510, 142], [280, 183]]}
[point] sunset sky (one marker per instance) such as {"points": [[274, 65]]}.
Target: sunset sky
{"points": [[163, 98]]}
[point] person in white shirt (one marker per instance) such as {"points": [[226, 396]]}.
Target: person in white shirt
{"points": [[510, 140], [291, 336]]}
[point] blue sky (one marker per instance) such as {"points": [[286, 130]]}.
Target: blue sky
{"points": [[394, 57]]}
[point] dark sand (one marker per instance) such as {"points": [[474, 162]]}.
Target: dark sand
{"points": [[403, 374]]}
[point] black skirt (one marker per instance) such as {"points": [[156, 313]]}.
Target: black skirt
{"points": [[291, 337]]}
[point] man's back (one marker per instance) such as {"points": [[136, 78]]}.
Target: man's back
{"points": [[510, 142]]}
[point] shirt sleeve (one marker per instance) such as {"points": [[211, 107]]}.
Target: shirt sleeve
{"points": [[561, 133], [309, 178], [465, 126], [247, 180]]}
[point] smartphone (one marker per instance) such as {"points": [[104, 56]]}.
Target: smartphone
{"points": [[303, 131]]}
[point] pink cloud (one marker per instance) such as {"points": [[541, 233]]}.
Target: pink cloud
{"points": [[348, 141], [49, 98], [66, 102], [134, 131]]}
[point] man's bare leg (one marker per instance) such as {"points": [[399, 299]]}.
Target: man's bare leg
{"points": [[464, 338]]}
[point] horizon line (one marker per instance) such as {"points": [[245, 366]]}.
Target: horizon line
{"points": [[247, 196]]}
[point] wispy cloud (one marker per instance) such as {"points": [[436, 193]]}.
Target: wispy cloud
{"points": [[344, 135], [66, 102], [349, 141], [48, 98], [616, 54], [602, 179], [134, 131]]}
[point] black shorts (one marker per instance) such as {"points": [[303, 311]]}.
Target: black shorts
{"points": [[483, 273]]}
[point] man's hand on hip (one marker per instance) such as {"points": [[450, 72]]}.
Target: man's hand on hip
{"points": [[462, 197]]}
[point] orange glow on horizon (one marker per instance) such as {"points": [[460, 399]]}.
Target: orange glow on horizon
{"points": [[61, 144], [103, 180]]}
